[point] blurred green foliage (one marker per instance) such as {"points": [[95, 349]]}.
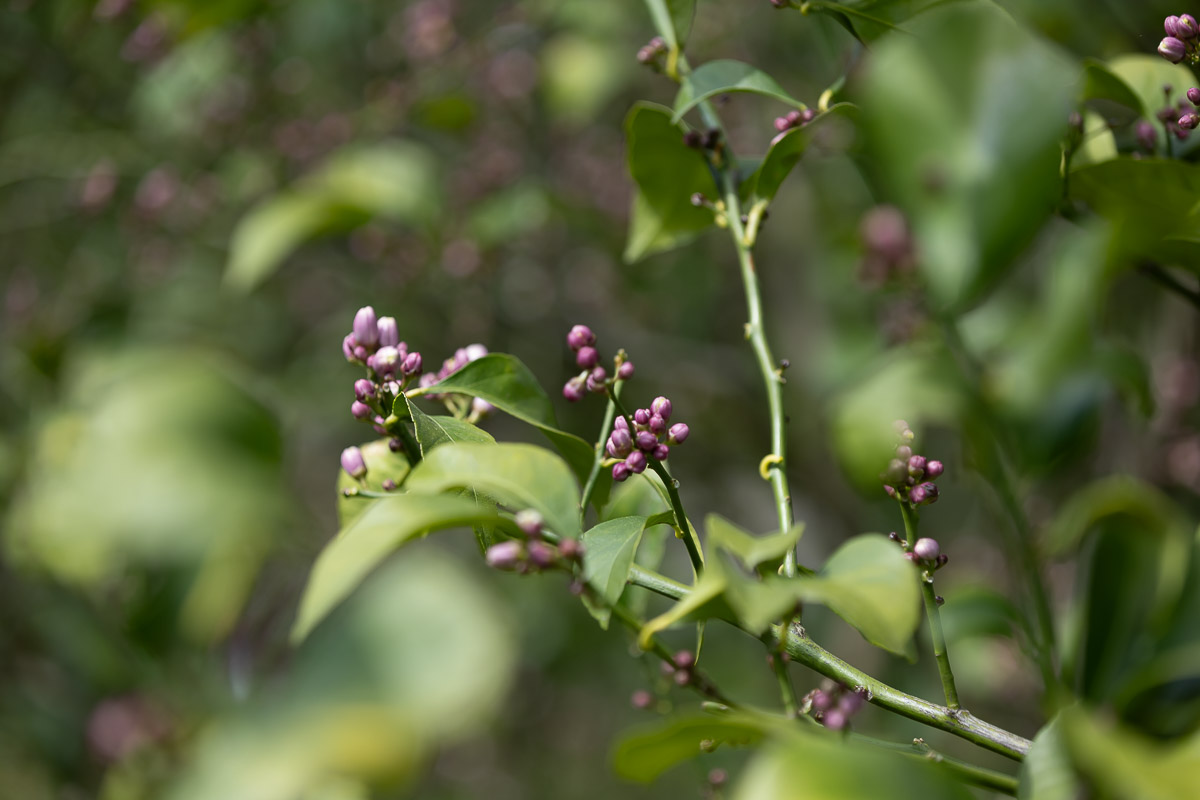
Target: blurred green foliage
{"points": [[195, 197]]}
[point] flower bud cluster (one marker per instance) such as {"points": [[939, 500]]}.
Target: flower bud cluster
{"points": [[682, 667], [794, 119], [462, 356], [533, 554], [834, 704], [910, 476], [648, 435], [593, 378], [1181, 41], [375, 343], [651, 53]]}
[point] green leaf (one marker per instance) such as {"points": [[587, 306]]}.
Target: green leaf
{"points": [[667, 173], [722, 77], [1151, 205], [518, 475], [752, 551], [1144, 75], [786, 150], [704, 600], [382, 464], [867, 20], [812, 765], [437, 430], [964, 120], [1109, 96], [393, 181], [1129, 765], [609, 549], [372, 537], [505, 382], [1046, 772], [653, 749]]}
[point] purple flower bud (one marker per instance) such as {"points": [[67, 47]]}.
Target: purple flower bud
{"points": [[934, 469], [574, 390], [646, 440], [661, 452], [895, 473], [587, 357], [366, 327], [926, 549], [388, 485], [1146, 135], [529, 521], [570, 549], [385, 360], [678, 433], [641, 700], [1193, 96], [821, 701], [580, 336], [625, 371], [682, 677], [541, 555], [620, 444], [834, 719], [636, 461], [1172, 49], [621, 424], [395, 445], [807, 116], [942, 560], [360, 352], [1171, 26], [352, 462], [641, 416], [364, 390], [595, 381], [891, 490], [782, 124], [361, 410], [505, 555], [412, 364], [916, 466], [1187, 28], [657, 425], [850, 703], [348, 347], [793, 118], [389, 332], [1189, 121], [620, 471], [662, 407], [923, 494]]}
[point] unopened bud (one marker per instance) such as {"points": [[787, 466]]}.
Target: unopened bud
{"points": [[834, 719], [645, 440], [926, 549], [661, 452], [641, 417], [684, 659], [574, 390], [580, 336], [353, 463], [621, 471], [678, 433], [587, 357], [366, 327], [1189, 121], [625, 371], [620, 443], [641, 700], [530, 522], [821, 701], [505, 555], [596, 381], [364, 390], [385, 361], [570, 549], [361, 410], [348, 344], [895, 473], [934, 469], [412, 364], [541, 555], [923, 494], [1171, 26], [662, 407], [916, 466], [636, 462], [1187, 28], [1172, 49], [389, 332]]}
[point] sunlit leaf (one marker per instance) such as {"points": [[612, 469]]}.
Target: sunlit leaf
{"points": [[609, 549], [648, 752], [1046, 772]]}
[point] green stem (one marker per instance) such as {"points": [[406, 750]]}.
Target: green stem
{"points": [[932, 613], [968, 773], [807, 652], [791, 705], [610, 413], [682, 526]]}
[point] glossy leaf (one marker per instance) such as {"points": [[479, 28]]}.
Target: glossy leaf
{"points": [[812, 765], [1129, 765], [436, 430], [393, 181], [752, 551], [371, 538], [704, 600], [1046, 772], [646, 753], [867, 20], [786, 150], [609, 550], [518, 475], [667, 173], [725, 76], [966, 118], [505, 382]]}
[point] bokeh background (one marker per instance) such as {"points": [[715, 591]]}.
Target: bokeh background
{"points": [[194, 199]]}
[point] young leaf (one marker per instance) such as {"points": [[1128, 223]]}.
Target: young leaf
{"points": [[752, 551], [609, 549], [505, 382], [722, 77], [518, 475], [667, 173], [653, 749], [371, 538]]}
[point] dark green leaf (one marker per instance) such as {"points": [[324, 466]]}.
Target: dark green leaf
{"points": [[370, 539], [722, 77], [436, 430], [506, 383], [867, 20], [518, 475], [667, 173], [609, 549], [786, 151]]}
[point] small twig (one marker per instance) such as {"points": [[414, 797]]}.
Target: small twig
{"points": [[1169, 282], [932, 613]]}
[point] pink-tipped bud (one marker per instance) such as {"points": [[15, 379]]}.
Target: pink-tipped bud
{"points": [[366, 327], [620, 471], [662, 407], [621, 424], [348, 345], [657, 425], [412, 364], [597, 380], [1193, 96], [646, 441], [1172, 49], [678, 433], [505, 555], [661, 452], [1187, 28], [926, 549], [570, 549], [361, 410], [620, 443], [834, 719], [934, 469], [385, 361], [1171, 26], [541, 555], [364, 390], [574, 390], [625, 371], [587, 357], [580, 336], [353, 463], [1189, 121], [916, 466], [923, 494], [641, 417], [389, 332], [636, 461], [530, 522]]}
